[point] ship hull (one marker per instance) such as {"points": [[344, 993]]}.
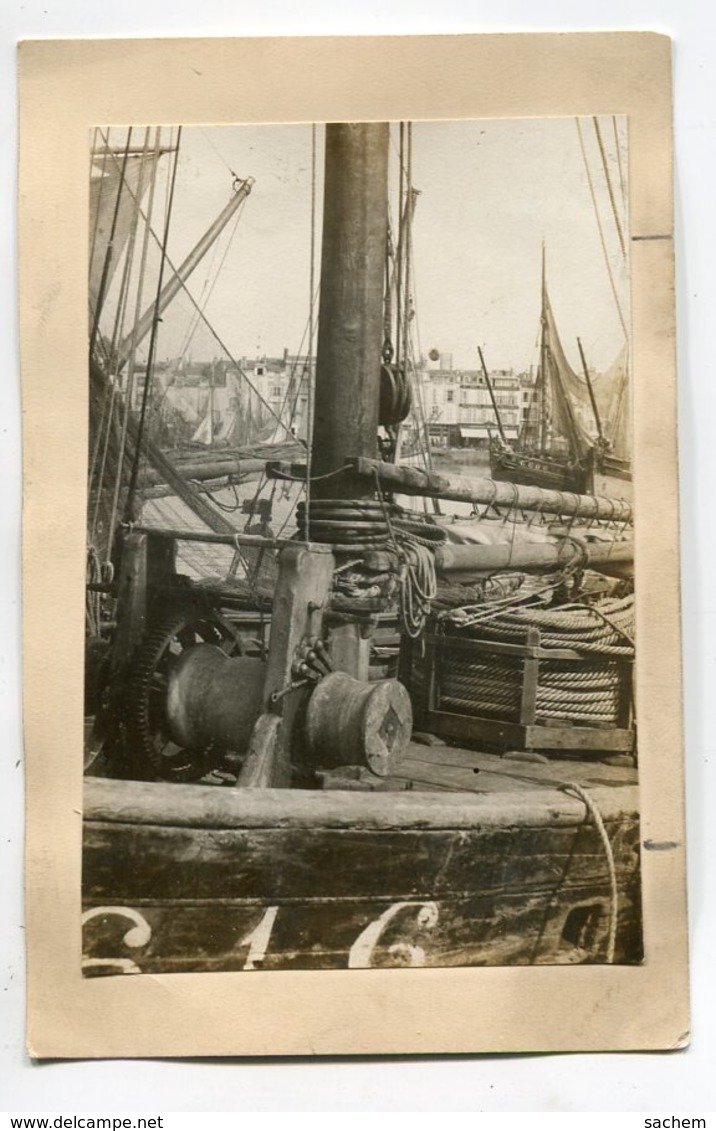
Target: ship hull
{"points": [[538, 471], [514, 874], [603, 475]]}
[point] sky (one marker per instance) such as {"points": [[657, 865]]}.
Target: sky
{"points": [[491, 192]]}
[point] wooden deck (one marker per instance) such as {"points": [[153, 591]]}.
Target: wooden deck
{"points": [[443, 767]]}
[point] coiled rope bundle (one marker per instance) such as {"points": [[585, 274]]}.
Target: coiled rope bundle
{"points": [[587, 688], [365, 524], [361, 525], [605, 627]]}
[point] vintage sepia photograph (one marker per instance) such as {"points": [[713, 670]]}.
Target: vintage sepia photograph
{"points": [[360, 642], [349, 438]]}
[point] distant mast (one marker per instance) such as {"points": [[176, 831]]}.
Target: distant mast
{"points": [[205, 432], [544, 349]]}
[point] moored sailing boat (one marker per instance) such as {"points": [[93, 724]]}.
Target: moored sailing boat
{"points": [[566, 442], [339, 842]]}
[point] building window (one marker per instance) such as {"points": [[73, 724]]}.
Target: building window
{"points": [[276, 391], [450, 396]]}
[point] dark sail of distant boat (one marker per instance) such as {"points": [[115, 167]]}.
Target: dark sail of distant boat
{"points": [[561, 443]]}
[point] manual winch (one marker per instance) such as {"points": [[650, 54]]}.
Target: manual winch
{"points": [[213, 701], [192, 702]]}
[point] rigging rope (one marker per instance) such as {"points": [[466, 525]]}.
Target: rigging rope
{"points": [[421, 415], [100, 296], [100, 192], [311, 326], [215, 334], [129, 390], [118, 328], [153, 338], [601, 232], [218, 153], [204, 302], [263, 478], [406, 312], [569, 626], [110, 246], [594, 813], [608, 179], [388, 351], [110, 391], [587, 687], [405, 243], [361, 525], [618, 149], [93, 608], [399, 252]]}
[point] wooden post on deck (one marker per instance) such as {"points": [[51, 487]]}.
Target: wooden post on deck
{"points": [[300, 599]]}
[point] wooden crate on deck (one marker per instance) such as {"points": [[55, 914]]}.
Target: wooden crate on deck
{"points": [[517, 720]]}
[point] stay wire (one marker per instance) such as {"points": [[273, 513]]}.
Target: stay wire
{"points": [[117, 333], [601, 232], [110, 245], [131, 361], [311, 329], [130, 369], [154, 334], [218, 153], [109, 251], [100, 193], [217, 272], [610, 190], [618, 150], [217, 337]]}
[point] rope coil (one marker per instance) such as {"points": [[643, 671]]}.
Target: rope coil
{"points": [[571, 626], [354, 525], [587, 689], [355, 522]]}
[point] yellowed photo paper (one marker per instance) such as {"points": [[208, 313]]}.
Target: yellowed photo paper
{"points": [[348, 376]]}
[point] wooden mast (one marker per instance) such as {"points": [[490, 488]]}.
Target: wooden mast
{"points": [[590, 389], [350, 332], [493, 398], [350, 328], [543, 362]]}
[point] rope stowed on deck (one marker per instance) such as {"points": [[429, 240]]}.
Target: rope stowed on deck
{"points": [[359, 526], [586, 689], [605, 627]]}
